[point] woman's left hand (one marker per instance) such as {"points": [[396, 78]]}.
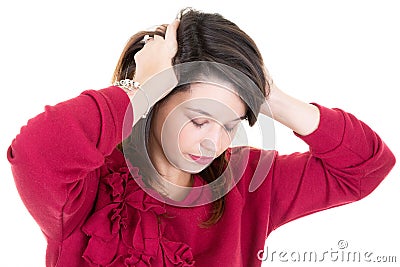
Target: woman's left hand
{"points": [[301, 117]]}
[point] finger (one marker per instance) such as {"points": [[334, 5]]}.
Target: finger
{"points": [[157, 36], [162, 28], [147, 38], [170, 35], [159, 33]]}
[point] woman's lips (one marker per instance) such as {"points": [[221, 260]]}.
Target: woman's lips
{"points": [[201, 160]]}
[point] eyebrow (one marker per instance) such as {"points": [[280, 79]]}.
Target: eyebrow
{"points": [[208, 114]]}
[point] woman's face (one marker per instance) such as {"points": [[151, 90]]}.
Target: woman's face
{"points": [[195, 126]]}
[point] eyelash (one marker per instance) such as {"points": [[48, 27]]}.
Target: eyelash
{"points": [[199, 125]]}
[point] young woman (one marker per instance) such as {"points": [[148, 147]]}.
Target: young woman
{"points": [[111, 176]]}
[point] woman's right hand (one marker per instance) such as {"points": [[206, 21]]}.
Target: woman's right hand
{"points": [[157, 54], [154, 70]]}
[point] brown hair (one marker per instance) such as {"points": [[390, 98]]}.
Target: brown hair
{"points": [[201, 37]]}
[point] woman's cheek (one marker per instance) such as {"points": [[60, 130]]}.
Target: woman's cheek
{"points": [[186, 139]]}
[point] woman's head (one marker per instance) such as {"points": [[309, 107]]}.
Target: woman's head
{"points": [[207, 37], [200, 119]]}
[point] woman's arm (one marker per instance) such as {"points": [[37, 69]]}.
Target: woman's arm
{"points": [[56, 156], [301, 117], [346, 160]]}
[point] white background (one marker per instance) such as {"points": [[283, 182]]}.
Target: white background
{"points": [[337, 53]]}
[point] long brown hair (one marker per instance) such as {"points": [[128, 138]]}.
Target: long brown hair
{"points": [[201, 37]]}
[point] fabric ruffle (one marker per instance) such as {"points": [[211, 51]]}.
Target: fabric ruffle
{"points": [[125, 228]]}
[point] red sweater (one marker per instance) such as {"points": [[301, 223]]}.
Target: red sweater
{"points": [[76, 185]]}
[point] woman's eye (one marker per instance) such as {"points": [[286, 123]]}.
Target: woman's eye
{"points": [[198, 124]]}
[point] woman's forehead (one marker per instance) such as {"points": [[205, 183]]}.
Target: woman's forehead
{"points": [[212, 100], [213, 91]]}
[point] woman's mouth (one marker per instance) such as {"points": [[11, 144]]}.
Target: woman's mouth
{"points": [[201, 160]]}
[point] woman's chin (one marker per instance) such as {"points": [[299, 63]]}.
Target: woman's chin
{"points": [[189, 165], [193, 167]]}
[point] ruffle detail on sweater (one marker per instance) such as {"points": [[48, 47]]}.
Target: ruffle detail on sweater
{"points": [[125, 229]]}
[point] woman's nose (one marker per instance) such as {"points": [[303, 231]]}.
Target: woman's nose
{"points": [[214, 141]]}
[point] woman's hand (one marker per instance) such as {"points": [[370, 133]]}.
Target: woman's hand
{"points": [[157, 53], [301, 117], [154, 70]]}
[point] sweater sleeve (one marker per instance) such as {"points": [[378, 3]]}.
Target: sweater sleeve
{"points": [[55, 158], [346, 162]]}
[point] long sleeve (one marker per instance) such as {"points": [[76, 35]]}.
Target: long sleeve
{"points": [[55, 158], [346, 162]]}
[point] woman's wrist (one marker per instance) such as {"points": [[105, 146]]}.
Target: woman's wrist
{"points": [[159, 85], [301, 117], [137, 96], [143, 97], [139, 103]]}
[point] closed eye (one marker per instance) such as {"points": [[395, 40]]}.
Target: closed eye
{"points": [[197, 124], [200, 124]]}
